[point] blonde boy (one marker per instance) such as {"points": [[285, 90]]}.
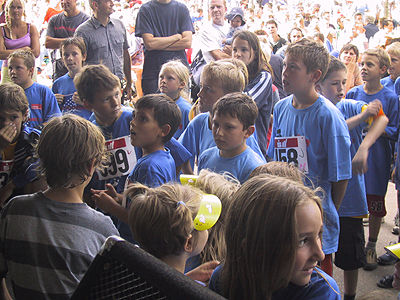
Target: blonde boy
{"points": [[394, 69]]}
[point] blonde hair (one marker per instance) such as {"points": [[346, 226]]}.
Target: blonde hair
{"points": [[69, 146], [181, 71], [382, 56], [7, 11], [224, 187], [281, 169], [161, 218], [261, 248], [394, 49]]}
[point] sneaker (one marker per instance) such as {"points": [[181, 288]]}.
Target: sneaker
{"points": [[385, 282], [395, 230], [371, 260], [386, 260]]}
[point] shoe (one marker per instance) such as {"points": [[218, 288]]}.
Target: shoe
{"points": [[371, 260], [386, 260], [385, 282], [395, 230], [396, 220]]}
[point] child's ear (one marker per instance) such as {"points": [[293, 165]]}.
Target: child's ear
{"points": [[182, 85], [249, 131], [31, 70], [318, 87], [83, 57], [316, 75], [189, 244], [165, 130], [383, 69]]}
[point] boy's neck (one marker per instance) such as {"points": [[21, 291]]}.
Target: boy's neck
{"points": [[152, 148], [73, 195], [233, 152], [27, 84], [373, 86], [106, 123], [306, 100], [72, 74], [177, 262]]}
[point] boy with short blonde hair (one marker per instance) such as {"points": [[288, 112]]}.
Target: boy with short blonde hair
{"points": [[308, 130], [374, 64], [394, 69]]}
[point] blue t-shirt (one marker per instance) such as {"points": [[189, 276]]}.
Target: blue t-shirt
{"points": [[328, 152], [65, 86], [162, 20], [184, 107], [42, 104], [239, 166], [397, 86], [321, 287], [154, 169], [354, 203], [380, 154], [198, 137], [388, 82]]}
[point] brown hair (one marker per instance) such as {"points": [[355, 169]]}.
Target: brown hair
{"points": [[76, 41], [161, 218], [349, 47], [13, 97], [261, 249], [68, 148], [281, 169], [26, 55], [382, 55]]}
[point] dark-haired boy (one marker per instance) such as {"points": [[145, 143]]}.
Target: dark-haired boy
{"points": [[233, 119], [309, 131], [358, 114], [48, 239], [374, 64]]}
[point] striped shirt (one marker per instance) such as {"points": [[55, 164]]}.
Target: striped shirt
{"points": [[46, 246]]}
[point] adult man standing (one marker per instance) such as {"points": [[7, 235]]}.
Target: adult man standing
{"points": [[213, 34], [275, 40], [106, 41], [61, 27], [166, 29]]}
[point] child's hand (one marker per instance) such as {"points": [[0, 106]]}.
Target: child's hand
{"points": [[373, 108], [60, 99], [359, 163], [203, 272], [104, 201], [7, 135], [76, 99]]}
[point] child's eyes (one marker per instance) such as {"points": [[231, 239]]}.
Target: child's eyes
{"points": [[302, 242]]}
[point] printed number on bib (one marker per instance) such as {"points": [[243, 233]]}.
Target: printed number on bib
{"points": [[122, 158], [292, 150], [5, 171]]}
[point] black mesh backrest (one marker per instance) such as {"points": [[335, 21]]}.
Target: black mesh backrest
{"points": [[122, 270]]}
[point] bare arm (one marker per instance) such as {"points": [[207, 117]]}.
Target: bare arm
{"points": [[182, 44], [53, 43], [127, 72], [159, 43], [372, 110], [35, 44], [4, 53], [219, 54], [338, 191], [359, 163]]}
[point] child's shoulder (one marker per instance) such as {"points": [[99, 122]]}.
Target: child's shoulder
{"points": [[323, 286]]}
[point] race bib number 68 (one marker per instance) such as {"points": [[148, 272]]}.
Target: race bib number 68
{"points": [[292, 150]]}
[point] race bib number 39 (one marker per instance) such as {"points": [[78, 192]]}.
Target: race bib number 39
{"points": [[292, 150], [5, 171], [122, 158]]}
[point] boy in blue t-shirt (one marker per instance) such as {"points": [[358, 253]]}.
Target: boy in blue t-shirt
{"points": [[42, 102], [73, 52], [351, 255], [394, 69], [309, 131], [233, 119], [374, 63]]}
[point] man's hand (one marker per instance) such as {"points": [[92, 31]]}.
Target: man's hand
{"points": [[7, 135]]}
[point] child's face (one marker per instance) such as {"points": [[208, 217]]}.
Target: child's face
{"points": [[295, 36], [295, 78], [236, 22], [229, 134], [170, 84], [309, 251], [348, 56], [106, 105], [201, 240], [333, 87], [145, 131], [210, 92], [73, 58], [19, 72], [370, 69], [12, 118], [241, 50], [394, 69]]}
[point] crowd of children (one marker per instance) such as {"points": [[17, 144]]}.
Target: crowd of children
{"points": [[78, 165]]}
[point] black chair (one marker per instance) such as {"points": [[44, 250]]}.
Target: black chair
{"points": [[122, 270]]}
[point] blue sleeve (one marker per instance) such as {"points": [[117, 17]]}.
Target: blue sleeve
{"points": [[252, 143], [393, 115], [178, 152], [323, 287], [397, 86], [271, 146], [50, 106], [188, 139], [148, 175], [214, 284], [143, 22]]}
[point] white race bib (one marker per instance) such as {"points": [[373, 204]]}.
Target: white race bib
{"points": [[122, 158], [5, 171], [292, 150]]}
